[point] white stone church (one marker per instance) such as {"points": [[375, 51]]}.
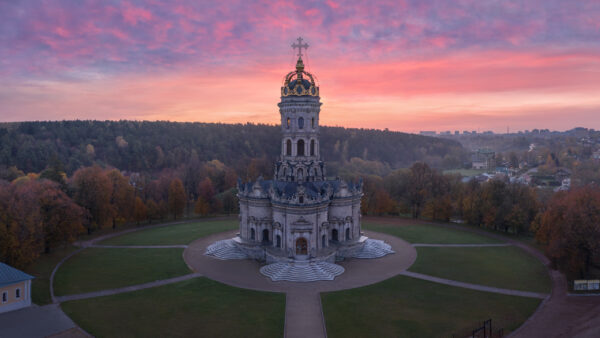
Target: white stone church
{"points": [[301, 220]]}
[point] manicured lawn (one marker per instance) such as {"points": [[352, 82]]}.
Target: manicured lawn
{"points": [[41, 269], [98, 269], [407, 307], [194, 308], [503, 267], [429, 234], [173, 234]]}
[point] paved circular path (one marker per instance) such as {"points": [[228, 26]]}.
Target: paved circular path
{"points": [[244, 273]]}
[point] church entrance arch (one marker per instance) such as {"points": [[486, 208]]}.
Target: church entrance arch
{"points": [[334, 235], [278, 243], [324, 241], [265, 237], [301, 246], [348, 234]]}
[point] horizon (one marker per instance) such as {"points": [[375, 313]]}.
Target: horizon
{"points": [[276, 124], [407, 67]]}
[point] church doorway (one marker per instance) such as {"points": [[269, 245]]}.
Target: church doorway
{"points": [[301, 246], [278, 243], [348, 234], [334, 235], [265, 237], [324, 241]]}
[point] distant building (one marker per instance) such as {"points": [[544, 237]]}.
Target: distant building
{"points": [[483, 159], [15, 288], [596, 155], [427, 133], [456, 132]]}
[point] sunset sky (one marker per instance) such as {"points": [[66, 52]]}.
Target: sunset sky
{"points": [[402, 65]]}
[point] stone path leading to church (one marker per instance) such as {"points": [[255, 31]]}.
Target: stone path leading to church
{"points": [[459, 245]]}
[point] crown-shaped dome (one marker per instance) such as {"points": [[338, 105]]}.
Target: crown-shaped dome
{"points": [[299, 82]]}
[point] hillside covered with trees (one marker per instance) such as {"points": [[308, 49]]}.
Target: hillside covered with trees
{"points": [[142, 146]]}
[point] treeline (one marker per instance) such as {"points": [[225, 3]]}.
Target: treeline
{"points": [[142, 146], [39, 212], [567, 223]]}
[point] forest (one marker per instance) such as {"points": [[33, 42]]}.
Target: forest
{"points": [[143, 146], [63, 184]]}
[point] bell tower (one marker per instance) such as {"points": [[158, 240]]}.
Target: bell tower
{"points": [[300, 106]]}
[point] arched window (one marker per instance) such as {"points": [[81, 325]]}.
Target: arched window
{"points": [[265, 237], [312, 123], [300, 176], [312, 147], [301, 123], [278, 244], [288, 147], [348, 234], [300, 151], [323, 241], [334, 235], [252, 234], [288, 123]]}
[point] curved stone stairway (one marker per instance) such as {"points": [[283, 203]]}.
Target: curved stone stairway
{"points": [[373, 248], [225, 249], [302, 271]]}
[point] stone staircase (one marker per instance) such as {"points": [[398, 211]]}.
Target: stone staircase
{"points": [[373, 248], [302, 271], [225, 249]]}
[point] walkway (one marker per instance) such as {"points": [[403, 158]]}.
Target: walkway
{"points": [[109, 292], [474, 286]]}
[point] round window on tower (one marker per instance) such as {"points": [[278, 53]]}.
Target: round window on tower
{"points": [[301, 123]]}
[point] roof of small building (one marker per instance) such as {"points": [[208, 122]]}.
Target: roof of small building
{"points": [[10, 275]]}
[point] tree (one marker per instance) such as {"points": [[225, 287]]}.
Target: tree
{"points": [[93, 191], [419, 187], [177, 198], [140, 211], [122, 198], [570, 227]]}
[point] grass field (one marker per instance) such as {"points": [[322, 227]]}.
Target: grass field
{"points": [[428, 234], [195, 308], [99, 268], [41, 269], [173, 234], [407, 307], [503, 267]]}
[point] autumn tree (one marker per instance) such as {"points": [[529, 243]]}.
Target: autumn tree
{"points": [[93, 191], [121, 199], [140, 211], [177, 198], [570, 228]]}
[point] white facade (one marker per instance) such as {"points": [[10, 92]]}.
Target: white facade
{"points": [[300, 214]]}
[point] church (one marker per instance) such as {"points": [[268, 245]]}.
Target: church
{"points": [[301, 215]]}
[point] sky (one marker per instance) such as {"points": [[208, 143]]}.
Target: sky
{"points": [[402, 65]]}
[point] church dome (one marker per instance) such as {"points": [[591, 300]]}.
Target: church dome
{"points": [[299, 82]]}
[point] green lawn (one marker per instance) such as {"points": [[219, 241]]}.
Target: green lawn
{"points": [[194, 308], [173, 234], [406, 307], [99, 268], [503, 267], [41, 269], [429, 234]]}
